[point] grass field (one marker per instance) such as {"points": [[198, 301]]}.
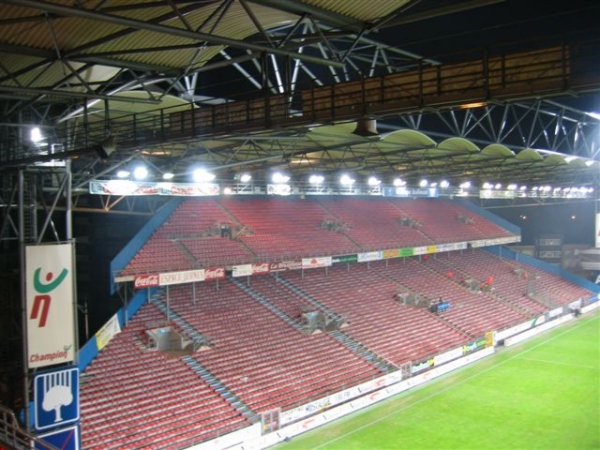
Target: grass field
{"points": [[540, 394]]}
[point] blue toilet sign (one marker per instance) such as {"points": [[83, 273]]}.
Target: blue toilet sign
{"points": [[56, 398]]}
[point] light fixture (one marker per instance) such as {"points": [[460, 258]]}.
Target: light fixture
{"points": [[465, 185], [122, 173], [36, 135], [512, 187], [444, 184], [346, 180], [398, 182], [373, 181], [423, 183], [245, 177], [316, 179], [168, 176], [140, 172], [279, 177], [202, 176], [498, 186], [488, 185]]}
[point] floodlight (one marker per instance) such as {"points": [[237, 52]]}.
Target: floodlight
{"points": [[140, 172], [202, 176], [279, 177], [316, 179], [346, 180], [373, 181], [36, 135]]}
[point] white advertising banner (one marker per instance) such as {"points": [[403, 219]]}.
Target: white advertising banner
{"points": [[369, 256], [242, 270], [186, 276], [50, 298], [312, 263]]}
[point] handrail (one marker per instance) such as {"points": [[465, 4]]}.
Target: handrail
{"points": [[16, 438]]}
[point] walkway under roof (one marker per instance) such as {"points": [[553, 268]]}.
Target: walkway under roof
{"points": [[489, 90]]}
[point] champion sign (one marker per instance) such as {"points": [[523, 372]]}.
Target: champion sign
{"points": [[145, 281], [50, 299]]}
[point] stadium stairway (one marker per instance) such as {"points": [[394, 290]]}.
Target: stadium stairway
{"points": [[364, 352], [339, 335], [287, 319], [198, 339], [296, 290], [219, 387], [185, 251]]}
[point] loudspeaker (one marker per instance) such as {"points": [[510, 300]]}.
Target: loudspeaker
{"points": [[366, 128], [106, 147]]}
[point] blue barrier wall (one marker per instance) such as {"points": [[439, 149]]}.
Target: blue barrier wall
{"points": [[120, 261], [488, 215], [88, 352], [542, 265]]}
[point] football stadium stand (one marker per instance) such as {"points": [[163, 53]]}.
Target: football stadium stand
{"points": [[306, 298]]}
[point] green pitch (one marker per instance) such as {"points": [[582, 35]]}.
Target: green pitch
{"points": [[540, 394]]}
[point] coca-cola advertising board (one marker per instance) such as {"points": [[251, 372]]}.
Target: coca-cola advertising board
{"points": [[216, 273], [145, 281], [261, 268]]}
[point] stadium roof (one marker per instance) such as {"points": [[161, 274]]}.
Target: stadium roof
{"points": [[490, 90]]}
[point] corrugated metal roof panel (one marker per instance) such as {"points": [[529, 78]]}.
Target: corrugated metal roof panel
{"points": [[362, 10]]}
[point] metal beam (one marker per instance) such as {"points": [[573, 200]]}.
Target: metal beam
{"points": [[73, 94], [67, 11]]}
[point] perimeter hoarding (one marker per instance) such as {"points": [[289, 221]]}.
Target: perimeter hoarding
{"points": [[50, 296]]}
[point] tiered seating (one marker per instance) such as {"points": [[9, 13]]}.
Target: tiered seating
{"points": [[192, 220], [216, 251], [439, 220], [374, 223], [557, 290], [285, 228], [139, 398], [393, 331], [474, 313], [159, 254], [265, 361], [480, 266]]}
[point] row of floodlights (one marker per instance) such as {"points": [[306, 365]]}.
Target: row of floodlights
{"points": [[543, 189], [201, 175], [140, 172]]}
